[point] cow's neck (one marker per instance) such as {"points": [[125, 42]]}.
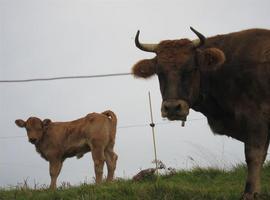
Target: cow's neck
{"points": [[205, 98], [219, 113], [42, 146]]}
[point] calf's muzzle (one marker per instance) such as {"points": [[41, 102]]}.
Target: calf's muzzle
{"points": [[32, 140], [175, 109]]}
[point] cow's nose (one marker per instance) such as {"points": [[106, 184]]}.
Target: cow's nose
{"points": [[174, 109]]}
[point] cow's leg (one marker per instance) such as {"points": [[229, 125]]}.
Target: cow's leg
{"points": [[98, 158], [111, 158], [255, 152], [55, 168]]}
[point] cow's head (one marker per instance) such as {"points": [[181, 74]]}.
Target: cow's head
{"points": [[35, 128], [178, 65]]}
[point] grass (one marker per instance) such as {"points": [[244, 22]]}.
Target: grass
{"points": [[196, 184]]}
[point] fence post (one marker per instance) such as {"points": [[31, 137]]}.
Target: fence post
{"points": [[152, 124]]}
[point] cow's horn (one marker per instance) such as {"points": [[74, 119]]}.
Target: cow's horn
{"points": [[199, 42], [144, 47]]}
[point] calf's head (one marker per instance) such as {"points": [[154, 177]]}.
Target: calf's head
{"points": [[178, 65], [35, 128]]}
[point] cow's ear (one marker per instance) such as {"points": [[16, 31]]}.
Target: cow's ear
{"points": [[144, 68], [210, 58], [20, 123], [46, 123]]}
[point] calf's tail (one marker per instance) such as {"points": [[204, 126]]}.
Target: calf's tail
{"points": [[113, 118], [111, 114]]}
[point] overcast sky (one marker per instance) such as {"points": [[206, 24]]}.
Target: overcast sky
{"points": [[47, 38]]}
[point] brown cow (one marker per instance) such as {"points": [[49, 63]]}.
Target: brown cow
{"points": [[56, 141], [226, 78]]}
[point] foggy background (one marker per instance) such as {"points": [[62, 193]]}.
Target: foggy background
{"points": [[51, 38]]}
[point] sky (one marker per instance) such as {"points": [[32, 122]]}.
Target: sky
{"points": [[51, 38]]}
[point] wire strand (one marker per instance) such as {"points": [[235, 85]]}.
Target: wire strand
{"points": [[119, 127], [63, 77], [248, 64]]}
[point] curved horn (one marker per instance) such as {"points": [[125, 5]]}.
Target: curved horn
{"points": [[144, 47], [199, 42]]}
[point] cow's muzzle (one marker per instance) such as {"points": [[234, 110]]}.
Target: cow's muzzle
{"points": [[175, 109]]}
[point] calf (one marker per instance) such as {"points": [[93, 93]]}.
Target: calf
{"points": [[56, 141]]}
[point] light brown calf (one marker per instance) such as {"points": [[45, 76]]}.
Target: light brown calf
{"points": [[56, 141]]}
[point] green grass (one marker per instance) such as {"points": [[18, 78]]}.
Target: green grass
{"points": [[197, 184]]}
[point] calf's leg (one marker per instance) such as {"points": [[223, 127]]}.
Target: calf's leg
{"points": [[55, 168], [98, 158], [111, 159]]}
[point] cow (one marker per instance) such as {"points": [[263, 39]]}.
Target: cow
{"points": [[56, 141], [227, 79]]}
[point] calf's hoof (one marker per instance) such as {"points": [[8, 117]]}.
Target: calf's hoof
{"points": [[52, 188]]}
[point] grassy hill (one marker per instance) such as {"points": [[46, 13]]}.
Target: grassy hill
{"points": [[196, 184]]}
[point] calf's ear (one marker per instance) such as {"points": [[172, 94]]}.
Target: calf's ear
{"points": [[210, 59], [144, 68], [46, 123], [20, 123]]}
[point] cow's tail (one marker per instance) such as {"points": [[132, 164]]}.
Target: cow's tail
{"points": [[113, 119]]}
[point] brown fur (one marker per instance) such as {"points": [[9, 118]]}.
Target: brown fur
{"points": [[56, 141], [227, 80], [210, 59], [144, 69]]}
